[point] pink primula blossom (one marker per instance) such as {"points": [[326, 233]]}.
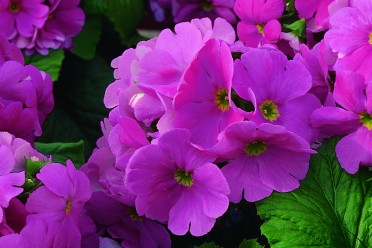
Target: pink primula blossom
{"points": [[350, 35], [278, 90], [354, 120], [259, 24], [176, 182], [59, 202], [261, 158], [203, 102]]}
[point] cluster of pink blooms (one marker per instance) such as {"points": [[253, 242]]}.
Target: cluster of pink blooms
{"points": [[25, 94], [198, 120], [39, 25], [186, 10]]}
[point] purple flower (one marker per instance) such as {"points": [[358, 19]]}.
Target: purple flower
{"points": [[354, 120], [176, 182], [258, 23], [203, 102], [162, 68], [185, 10], [317, 61], [25, 99], [350, 36], [122, 222], [277, 89], [60, 202], [9, 51], [65, 20], [22, 17], [263, 158]]}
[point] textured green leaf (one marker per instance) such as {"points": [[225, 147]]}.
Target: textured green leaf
{"points": [[208, 245], [330, 209], [252, 243], [51, 63], [63, 151], [86, 42], [79, 104], [125, 15]]}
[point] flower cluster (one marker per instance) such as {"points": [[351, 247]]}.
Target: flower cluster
{"points": [[26, 94], [186, 10], [39, 25]]}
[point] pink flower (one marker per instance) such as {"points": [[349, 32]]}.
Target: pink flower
{"points": [[350, 36], [22, 17], [354, 120], [261, 158], [60, 201], [176, 182], [185, 10], [203, 102], [258, 23]]}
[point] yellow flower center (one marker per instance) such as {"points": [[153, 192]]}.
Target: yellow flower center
{"points": [[133, 214], [207, 6], [184, 178], [14, 7], [370, 38], [221, 98], [269, 110], [68, 206], [260, 29], [255, 148], [366, 120]]}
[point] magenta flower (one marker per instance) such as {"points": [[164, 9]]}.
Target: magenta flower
{"points": [[258, 23], [185, 10], [353, 120], [60, 202], [65, 20], [9, 51], [22, 17], [25, 99], [350, 36], [122, 222], [263, 158], [203, 102], [318, 61], [278, 90], [10, 183], [162, 68], [175, 182]]}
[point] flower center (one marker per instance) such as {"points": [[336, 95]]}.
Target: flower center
{"points": [[370, 38], [221, 98], [255, 148], [184, 178], [260, 29], [366, 120], [133, 214], [68, 206], [269, 110], [14, 7], [207, 6]]}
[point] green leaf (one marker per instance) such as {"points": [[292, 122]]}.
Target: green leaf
{"points": [[32, 168], [63, 151], [297, 27], [50, 63], [252, 243], [86, 42], [79, 104], [125, 15], [330, 209], [208, 245]]}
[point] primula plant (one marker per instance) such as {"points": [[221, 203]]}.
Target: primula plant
{"points": [[185, 123]]}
